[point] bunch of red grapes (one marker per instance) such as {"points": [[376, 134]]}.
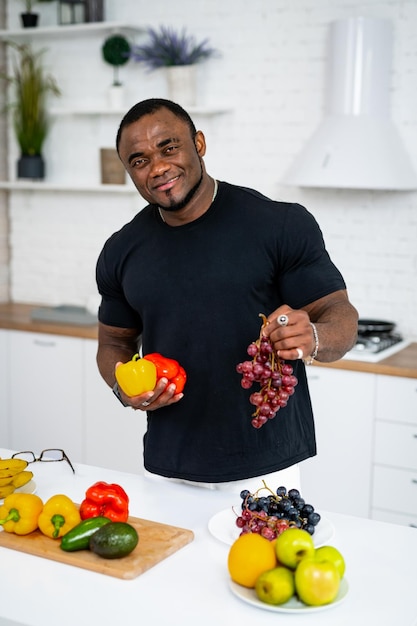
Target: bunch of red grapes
{"points": [[274, 376]]}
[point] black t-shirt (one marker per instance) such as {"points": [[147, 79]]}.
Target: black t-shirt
{"points": [[195, 293]]}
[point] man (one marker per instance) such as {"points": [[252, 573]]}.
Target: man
{"points": [[188, 278]]}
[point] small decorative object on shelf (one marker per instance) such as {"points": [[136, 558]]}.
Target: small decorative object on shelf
{"points": [[112, 170], [116, 52], [94, 11], [30, 19], [178, 54], [29, 110], [72, 12]]}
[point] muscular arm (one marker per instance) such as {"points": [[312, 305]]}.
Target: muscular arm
{"points": [[115, 344], [336, 321]]}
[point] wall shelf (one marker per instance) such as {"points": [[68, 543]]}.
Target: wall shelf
{"points": [[66, 187], [99, 110], [68, 30]]}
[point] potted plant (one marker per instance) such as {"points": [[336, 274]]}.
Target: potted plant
{"points": [[31, 86], [116, 52], [178, 53], [29, 18]]}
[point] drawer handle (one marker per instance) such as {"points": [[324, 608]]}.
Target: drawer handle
{"points": [[413, 525], [414, 481], [44, 344]]}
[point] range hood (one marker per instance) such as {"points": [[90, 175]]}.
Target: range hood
{"points": [[357, 145]]}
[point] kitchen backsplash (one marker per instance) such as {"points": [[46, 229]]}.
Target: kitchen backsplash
{"points": [[271, 78]]}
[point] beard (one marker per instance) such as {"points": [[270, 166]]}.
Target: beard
{"points": [[177, 206]]}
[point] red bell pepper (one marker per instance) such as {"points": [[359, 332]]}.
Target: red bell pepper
{"points": [[105, 500], [168, 368]]}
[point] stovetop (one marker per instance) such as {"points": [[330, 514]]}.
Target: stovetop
{"points": [[371, 350]]}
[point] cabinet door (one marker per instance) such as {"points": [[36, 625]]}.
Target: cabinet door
{"points": [[339, 478], [46, 393], [114, 433], [4, 390], [396, 399]]}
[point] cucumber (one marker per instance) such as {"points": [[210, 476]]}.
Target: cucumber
{"points": [[114, 540], [78, 538]]}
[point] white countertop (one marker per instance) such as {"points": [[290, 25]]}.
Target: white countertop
{"points": [[191, 586]]}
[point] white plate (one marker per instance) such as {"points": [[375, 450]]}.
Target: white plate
{"points": [[223, 527], [30, 487], [292, 606]]}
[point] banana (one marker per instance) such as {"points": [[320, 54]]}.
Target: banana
{"points": [[6, 480], [21, 479], [11, 467], [6, 490]]}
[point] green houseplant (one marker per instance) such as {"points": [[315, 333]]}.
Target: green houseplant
{"points": [[178, 53], [116, 52], [31, 85]]}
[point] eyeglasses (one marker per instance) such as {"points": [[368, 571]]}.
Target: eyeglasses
{"points": [[48, 455]]}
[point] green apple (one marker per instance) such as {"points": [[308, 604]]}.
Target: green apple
{"points": [[316, 582], [275, 586], [330, 553], [293, 545]]}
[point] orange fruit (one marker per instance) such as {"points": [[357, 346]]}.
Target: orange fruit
{"points": [[249, 556]]}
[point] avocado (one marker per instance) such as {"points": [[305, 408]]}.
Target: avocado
{"points": [[114, 540]]}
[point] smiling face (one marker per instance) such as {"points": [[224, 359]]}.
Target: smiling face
{"points": [[163, 160]]}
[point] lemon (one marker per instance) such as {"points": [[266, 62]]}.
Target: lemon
{"points": [[249, 556]]}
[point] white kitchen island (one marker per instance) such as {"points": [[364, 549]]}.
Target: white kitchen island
{"points": [[191, 587]]}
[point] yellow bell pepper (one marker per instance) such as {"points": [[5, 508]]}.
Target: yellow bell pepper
{"points": [[136, 376], [20, 512], [60, 514]]}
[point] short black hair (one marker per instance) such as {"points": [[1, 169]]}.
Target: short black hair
{"points": [[147, 107]]}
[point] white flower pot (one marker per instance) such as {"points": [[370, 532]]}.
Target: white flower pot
{"points": [[116, 97], [182, 84]]}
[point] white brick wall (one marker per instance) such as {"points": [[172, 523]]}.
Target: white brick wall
{"points": [[271, 72]]}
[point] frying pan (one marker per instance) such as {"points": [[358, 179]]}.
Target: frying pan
{"points": [[366, 326]]}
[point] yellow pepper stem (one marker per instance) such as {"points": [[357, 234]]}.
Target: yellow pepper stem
{"points": [[13, 516], [57, 522]]}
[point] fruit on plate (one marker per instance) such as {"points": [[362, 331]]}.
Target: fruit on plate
{"points": [[317, 581], [330, 553], [275, 586], [12, 475], [270, 513], [21, 479], [249, 556], [293, 545], [11, 467], [114, 540]]}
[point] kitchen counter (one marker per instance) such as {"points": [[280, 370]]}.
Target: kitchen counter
{"points": [[14, 316], [191, 586]]}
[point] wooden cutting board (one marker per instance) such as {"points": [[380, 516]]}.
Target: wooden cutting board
{"points": [[156, 542]]}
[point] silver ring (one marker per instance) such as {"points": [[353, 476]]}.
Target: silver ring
{"points": [[282, 320], [148, 403], [300, 353]]}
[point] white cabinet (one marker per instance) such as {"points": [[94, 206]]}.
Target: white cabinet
{"points": [[52, 396], [394, 497], [339, 478], [46, 398], [113, 433], [4, 387]]}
